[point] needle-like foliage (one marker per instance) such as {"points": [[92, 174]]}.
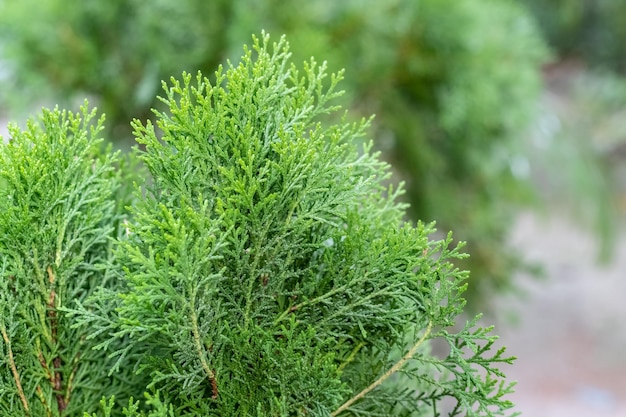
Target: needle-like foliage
{"points": [[268, 270], [265, 268], [61, 202]]}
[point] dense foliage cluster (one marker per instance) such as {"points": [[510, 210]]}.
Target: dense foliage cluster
{"points": [[61, 202], [452, 83], [265, 269]]}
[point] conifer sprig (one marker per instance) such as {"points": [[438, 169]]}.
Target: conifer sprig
{"points": [[58, 216], [268, 270], [264, 269]]}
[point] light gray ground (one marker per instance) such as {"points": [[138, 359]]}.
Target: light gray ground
{"points": [[570, 338]]}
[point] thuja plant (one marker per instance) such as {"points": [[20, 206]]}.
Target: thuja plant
{"points": [[265, 269], [61, 203]]}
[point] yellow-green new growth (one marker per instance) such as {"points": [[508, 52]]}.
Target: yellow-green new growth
{"points": [[269, 271], [58, 214], [265, 268]]}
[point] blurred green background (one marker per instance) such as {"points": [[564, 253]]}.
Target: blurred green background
{"points": [[458, 89]]}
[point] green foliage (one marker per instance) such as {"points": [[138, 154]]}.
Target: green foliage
{"points": [[61, 202], [265, 269], [117, 51], [268, 270], [452, 83], [591, 30], [459, 87]]}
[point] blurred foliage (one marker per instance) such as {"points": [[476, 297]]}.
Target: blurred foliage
{"points": [[453, 84], [582, 131], [462, 91], [117, 51], [594, 30]]}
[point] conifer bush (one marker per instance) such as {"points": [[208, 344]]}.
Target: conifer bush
{"points": [[61, 202], [453, 85], [264, 269]]}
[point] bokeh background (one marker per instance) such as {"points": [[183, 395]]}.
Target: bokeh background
{"points": [[505, 118]]}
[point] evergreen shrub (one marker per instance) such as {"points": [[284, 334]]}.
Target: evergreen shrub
{"points": [[453, 85], [264, 269], [61, 202]]}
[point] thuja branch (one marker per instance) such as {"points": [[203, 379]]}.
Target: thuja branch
{"points": [[350, 358], [44, 402], [58, 189], [395, 368], [319, 299], [234, 159], [70, 381], [200, 352], [55, 376], [16, 375]]}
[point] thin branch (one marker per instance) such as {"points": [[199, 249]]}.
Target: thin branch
{"points": [[351, 357], [315, 300], [395, 368], [70, 382], [56, 378], [42, 398], [200, 352], [16, 375]]}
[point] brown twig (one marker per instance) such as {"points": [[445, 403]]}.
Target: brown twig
{"points": [[200, 352], [42, 398], [214, 386], [43, 363], [16, 375], [70, 382], [55, 377]]}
